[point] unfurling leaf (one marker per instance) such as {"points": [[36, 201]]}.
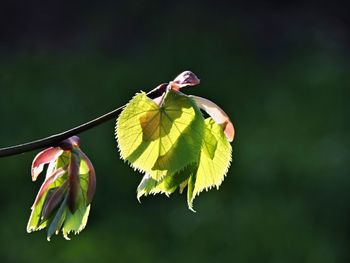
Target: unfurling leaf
{"points": [[63, 201], [218, 115], [44, 157], [186, 78]]}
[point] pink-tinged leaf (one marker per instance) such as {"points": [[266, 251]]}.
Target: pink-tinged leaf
{"points": [[57, 174], [229, 131], [46, 156], [73, 181], [53, 200], [159, 100], [217, 114], [69, 143], [186, 78], [92, 178], [158, 93]]}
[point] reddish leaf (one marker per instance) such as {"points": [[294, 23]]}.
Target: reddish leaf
{"points": [[53, 200], [186, 78], [46, 156], [69, 143], [218, 115], [73, 181], [92, 178], [58, 173]]}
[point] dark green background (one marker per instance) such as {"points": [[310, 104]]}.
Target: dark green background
{"points": [[281, 72]]}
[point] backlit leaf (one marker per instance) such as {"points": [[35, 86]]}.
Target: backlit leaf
{"points": [[210, 170], [53, 181], [160, 140], [70, 176], [165, 186], [215, 159], [218, 115]]}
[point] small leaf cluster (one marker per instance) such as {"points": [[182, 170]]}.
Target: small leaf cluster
{"points": [[63, 201], [173, 145]]}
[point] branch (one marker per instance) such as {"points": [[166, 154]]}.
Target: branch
{"points": [[57, 138]]}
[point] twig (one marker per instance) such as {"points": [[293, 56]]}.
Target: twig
{"points": [[57, 138]]}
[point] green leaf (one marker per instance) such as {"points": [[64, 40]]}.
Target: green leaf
{"points": [[210, 170], [215, 159], [35, 216], [160, 140], [87, 178], [58, 219], [63, 160], [84, 183], [76, 221], [35, 221], [165, 186]]}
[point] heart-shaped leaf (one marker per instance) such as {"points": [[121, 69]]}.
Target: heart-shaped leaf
{"points": [[160, 139]]}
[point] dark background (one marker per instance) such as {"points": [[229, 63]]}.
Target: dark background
{"points": [[280, 70]]}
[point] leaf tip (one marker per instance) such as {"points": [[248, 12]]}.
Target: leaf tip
{"points": [[139, 195], [229, 131], [190, 207]]}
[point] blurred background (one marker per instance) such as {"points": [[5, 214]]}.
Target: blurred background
{"points": [[281, 72]]}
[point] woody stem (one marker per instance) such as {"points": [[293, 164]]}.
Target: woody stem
{"points": [[53, 140]]}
